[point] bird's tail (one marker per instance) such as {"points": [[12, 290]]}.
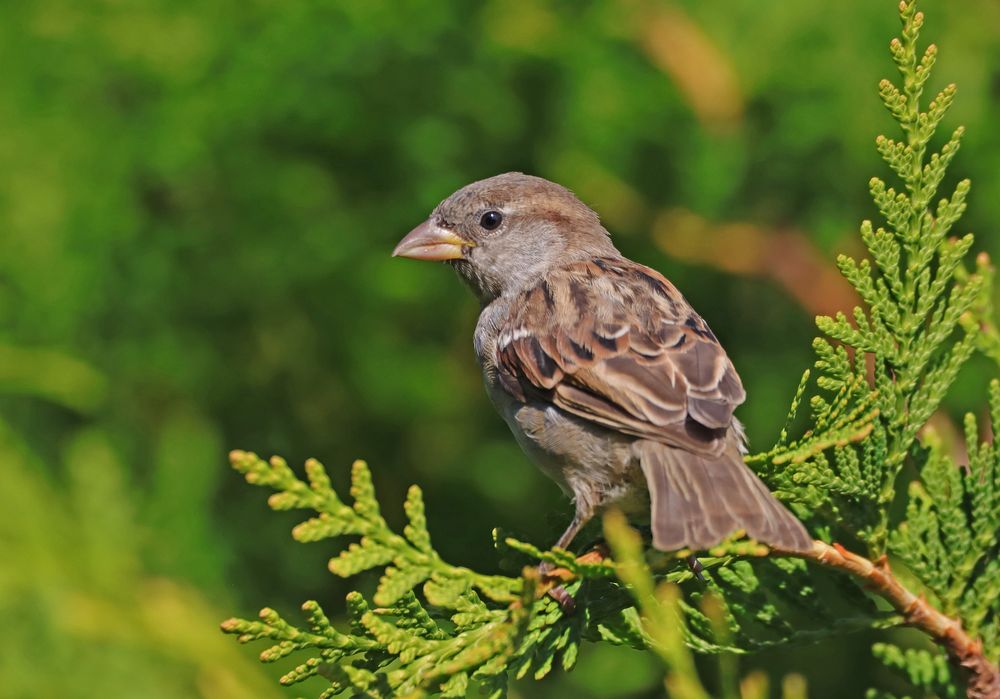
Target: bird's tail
{"points": [[697, 501]]}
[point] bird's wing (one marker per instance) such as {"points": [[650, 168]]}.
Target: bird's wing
{"points": [[613, 342]]}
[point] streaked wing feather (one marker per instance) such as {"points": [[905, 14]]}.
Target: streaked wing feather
{"points": [[615, 343]]}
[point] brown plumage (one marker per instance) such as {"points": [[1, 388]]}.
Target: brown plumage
{"points": [[605, 374]]}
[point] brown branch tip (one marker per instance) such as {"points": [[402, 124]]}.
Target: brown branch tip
{"points": [[984, 676]]}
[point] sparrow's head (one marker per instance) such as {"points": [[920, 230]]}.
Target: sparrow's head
{"points": [[504, 233]]}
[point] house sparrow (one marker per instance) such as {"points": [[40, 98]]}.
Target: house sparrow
{"points": [[607, 377]]}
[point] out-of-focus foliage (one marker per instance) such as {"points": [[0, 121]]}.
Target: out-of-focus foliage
{"points": [[951, 535], [84, 614], [197, 201], [925, 670]]}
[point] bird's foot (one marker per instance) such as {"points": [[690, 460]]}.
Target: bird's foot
{"points": [[695, 565], [565, 600], [554, 576]]}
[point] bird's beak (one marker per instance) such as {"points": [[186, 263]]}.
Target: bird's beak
{"points": [[429, 241]]}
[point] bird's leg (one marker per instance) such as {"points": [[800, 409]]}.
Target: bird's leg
{"points": [[579, 520], [559, 593]]}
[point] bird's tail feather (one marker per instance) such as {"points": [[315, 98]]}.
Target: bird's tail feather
{"points": [[697, 501]]}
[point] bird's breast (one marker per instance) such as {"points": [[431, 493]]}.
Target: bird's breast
{"points": [[588, 462]]}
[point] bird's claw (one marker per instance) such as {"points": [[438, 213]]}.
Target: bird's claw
{"points": [[554, 575], [696, 567], [565, 600]]}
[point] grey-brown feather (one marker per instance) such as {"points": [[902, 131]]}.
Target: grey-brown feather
{"points": [[614, 342], [696, 501]]}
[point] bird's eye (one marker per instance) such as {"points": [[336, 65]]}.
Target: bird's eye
{"points": [[491, 220]]}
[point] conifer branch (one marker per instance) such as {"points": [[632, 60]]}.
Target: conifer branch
{"points": [[878, 578], [984, 682]]}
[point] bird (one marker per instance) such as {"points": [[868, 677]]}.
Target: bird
{"points": [[607, 377]]}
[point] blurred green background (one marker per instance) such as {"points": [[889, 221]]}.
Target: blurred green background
{"points": [[197, 205]]}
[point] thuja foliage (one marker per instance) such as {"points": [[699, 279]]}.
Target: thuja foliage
{"points": [[435, 627], [463, 626], [881, 372], [949, 538], [916, 330]]}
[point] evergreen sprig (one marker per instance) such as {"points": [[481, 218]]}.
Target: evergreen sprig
{"points": [[884, 369], [435, 627], [438, 627], [439, 644], [409, 560], [893, 361], [951, 536]]}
